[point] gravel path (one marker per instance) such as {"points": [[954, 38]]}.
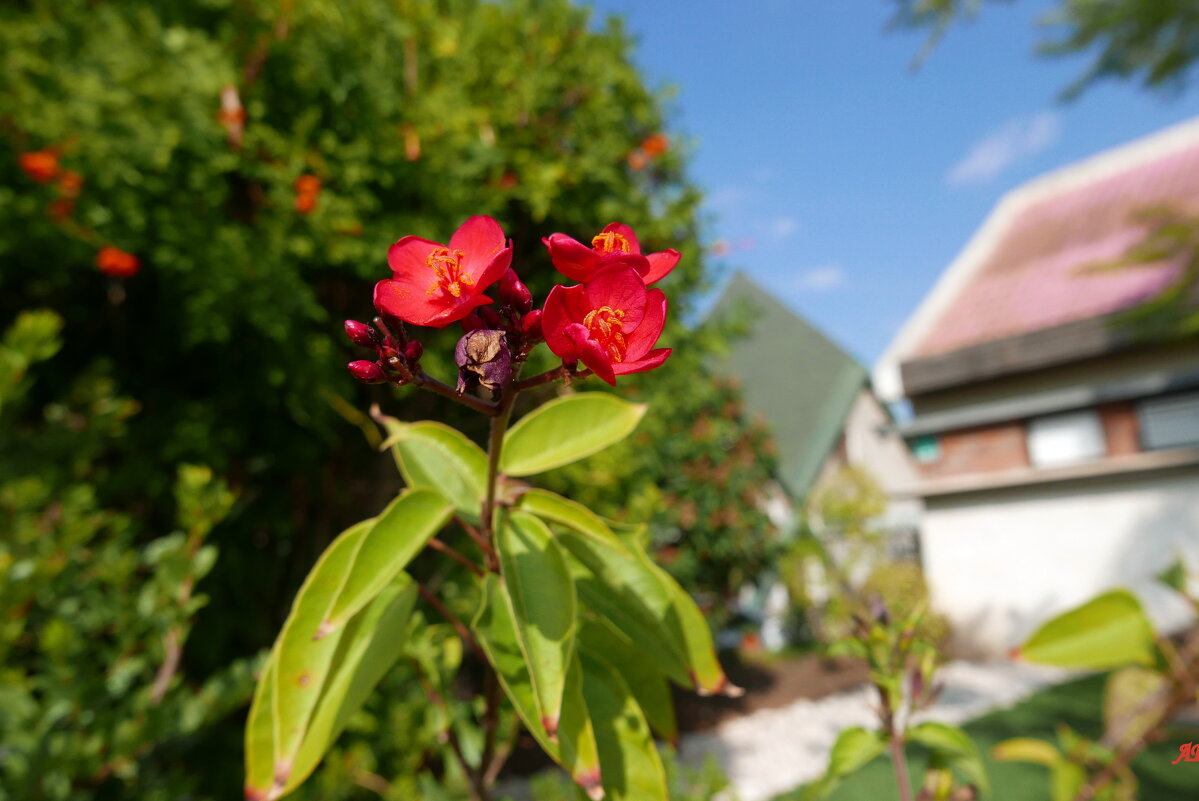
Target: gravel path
{"points": [[773, 750]]}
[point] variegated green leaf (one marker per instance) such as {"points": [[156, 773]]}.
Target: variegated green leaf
{"points": [[567, 429], [542, 594], [575, 749], [393, 540], [434, 456]]}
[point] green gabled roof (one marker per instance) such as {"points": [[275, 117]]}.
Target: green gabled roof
{"points": [[795, 377]]}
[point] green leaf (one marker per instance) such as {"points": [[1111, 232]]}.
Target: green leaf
{"points": [[638, 597], [957, 750], [1065, 780], [854, 748], [434, 456], [372, 642], [1128, 713], [575, 749], [1026, 749], [1106, 632], [260, 734], [395, 537], [640, 669], [300, 665], [1175, 576], [542, 594], [632, 769], [567, 429]]}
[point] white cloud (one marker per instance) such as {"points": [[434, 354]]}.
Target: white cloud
{"points": [[820, 279], [1017, 139], [781, 227]]}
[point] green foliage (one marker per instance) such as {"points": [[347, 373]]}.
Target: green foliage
{"points": [[97, 609], [413, 115], [1155, 42], [853, 749]]}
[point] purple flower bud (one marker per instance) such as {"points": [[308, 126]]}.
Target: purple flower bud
{"points": [[515, 294], [413, 351], [366, 372], [483, 358], [361, 334], [531, 324]]}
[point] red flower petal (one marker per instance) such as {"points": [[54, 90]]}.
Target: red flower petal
{"points": [[618, 286], [480, 239], [660, 264], [646, 334], [564, 306], [651, 360], [407, 258], [570, 257], [590, 353]]}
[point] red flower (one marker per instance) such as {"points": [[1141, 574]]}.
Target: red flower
{"points": [[616, 243], [40, 165], [609, 324], [434, 284], [117, 263], [308, 190]]}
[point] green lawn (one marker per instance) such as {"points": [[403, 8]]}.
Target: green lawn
{"points": [[1078, 704]]}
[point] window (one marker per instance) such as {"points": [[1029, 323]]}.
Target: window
{"points": [[926, 449], [1063, 439], [1169, 421]]}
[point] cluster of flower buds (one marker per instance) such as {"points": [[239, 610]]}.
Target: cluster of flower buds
{"points": [[609, 321], [396, 361]]}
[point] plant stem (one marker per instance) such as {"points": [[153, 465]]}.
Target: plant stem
{"points": [[899, 761], [495, 445], [441, 547], [460, 627]]}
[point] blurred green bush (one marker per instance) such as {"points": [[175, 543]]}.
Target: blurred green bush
{"points": [[178, 131]]}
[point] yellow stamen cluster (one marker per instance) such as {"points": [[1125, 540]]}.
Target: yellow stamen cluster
{"points": [[610, 242], [447, 266], [606, 326]]}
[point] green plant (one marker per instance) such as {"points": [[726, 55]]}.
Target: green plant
{"points": [[572, 623], [96, 612], [1153, 678]]}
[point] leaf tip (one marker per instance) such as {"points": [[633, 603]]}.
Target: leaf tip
{"points": [[1015, 654], [591, 783], [550, 724]]}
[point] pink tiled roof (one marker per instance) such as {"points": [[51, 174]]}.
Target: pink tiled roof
{"points": [[1035, 276]]}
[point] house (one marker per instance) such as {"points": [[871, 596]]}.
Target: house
{"points": [[823, 416], [1057, 447]]}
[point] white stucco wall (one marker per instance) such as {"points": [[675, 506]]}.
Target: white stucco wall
{"points": [[1000, 563]]}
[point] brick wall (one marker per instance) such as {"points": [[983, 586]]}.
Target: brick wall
{"points": [[979, 450]]}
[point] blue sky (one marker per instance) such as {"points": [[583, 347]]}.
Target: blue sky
{"points": [[843, 181]]}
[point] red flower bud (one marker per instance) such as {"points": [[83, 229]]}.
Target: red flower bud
{"points": [[361, 334], [413, 351], [117, 263], [366, 372], [514, 293], [489, 317], [530, 326], [471, 322]]}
